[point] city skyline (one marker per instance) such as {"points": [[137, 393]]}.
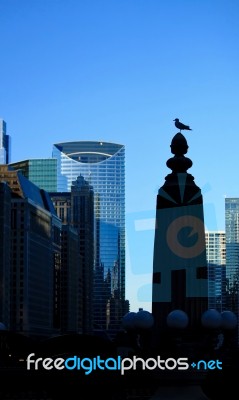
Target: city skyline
{"points": [[122, 72]]}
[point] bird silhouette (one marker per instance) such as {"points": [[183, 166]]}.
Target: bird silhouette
{"points": [[181, 126]]}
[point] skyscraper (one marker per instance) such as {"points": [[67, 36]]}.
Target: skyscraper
{"points": [[5, 252], [232, 253], [102, 164], [76, 210], [32, 229], [216, 261], [4, 143]]}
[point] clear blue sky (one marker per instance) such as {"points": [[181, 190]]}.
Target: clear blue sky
{"points": [[121, 71]]}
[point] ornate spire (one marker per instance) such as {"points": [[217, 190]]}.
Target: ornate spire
{"points": [[179, 147]]}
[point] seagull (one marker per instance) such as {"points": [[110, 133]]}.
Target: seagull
{"points": [[181, 126]]}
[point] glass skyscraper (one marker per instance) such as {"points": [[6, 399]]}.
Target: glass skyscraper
{"points": [[102, 164], [4, 143]]}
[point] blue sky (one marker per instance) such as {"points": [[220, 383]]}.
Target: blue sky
{"points": [[121, 71]]}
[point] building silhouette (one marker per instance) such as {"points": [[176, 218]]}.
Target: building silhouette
{"points": [[76, 210], [67, 284], [41, 171], [70, 284], [30, 230], [101, 164], [4, 143], [5, 252]]}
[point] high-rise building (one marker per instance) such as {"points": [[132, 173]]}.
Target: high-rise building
{"points": [[41, 171], [5, 252], [4, 143], [69, 308], [216, 261], [76, 210], [102, 164], [31, 223], [232, 254]]}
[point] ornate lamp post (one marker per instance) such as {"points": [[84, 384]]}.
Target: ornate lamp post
{"points": [[179, 262]]}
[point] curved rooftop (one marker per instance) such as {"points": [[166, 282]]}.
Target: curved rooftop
{"points": [[89, 151]]}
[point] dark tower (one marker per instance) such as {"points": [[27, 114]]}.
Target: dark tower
{"points": [[82, 219], [179, 264]]}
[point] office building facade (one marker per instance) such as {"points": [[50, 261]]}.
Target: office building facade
{"points": [[232, 254], [216, 261], [102, 165], [41, 171]]}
